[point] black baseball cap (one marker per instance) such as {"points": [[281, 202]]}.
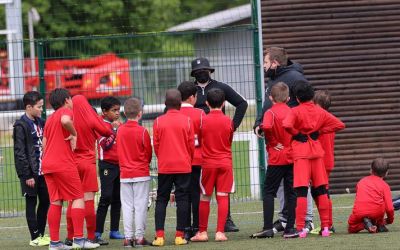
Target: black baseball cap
{"points": [[201, 63]]}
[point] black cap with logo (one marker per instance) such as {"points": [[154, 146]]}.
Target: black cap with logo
{"points": [[201, 63]]}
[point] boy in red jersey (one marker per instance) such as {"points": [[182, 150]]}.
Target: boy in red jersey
{"points": [[134, 151], [280, 163], [173, 140], [305, 122], [87, 124], [322, 98], [109, 172], [373, 200], [217, 172], [60, 171], [189, 93]]}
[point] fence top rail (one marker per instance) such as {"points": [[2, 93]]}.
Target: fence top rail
{"points": [[138, 35]]}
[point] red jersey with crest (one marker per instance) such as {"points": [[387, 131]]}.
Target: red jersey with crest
{"points": [[134, 150], [216, 140], [173, 141], [58, 155], [107, 146], [196, 116], [275, 133], [306, 119]]}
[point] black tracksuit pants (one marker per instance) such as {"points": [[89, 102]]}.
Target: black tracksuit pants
{"points": [[273, 179], [110, 195], [182, 186]]}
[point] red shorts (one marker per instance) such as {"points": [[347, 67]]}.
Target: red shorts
{"points": [[309, 170], [64, 186], [88, 174], [219, 178]]}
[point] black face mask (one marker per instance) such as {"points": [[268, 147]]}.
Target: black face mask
{"points": [[202, 76], [270, 73]]}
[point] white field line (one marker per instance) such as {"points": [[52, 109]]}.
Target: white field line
{"points": [[173, 217]]}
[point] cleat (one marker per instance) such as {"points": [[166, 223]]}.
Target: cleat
{"points": [[158, 242], [46, 237], [116, 235], [200, 237], [279, 226], [332, 230], [68, 242], [269, 233], [290, 233], [39, 242], [180, 241], [371, 228], [142, 243], [220, 236], [58, 246], [230, 225], [82, 243], [309, 226], [100, 241], [129, 243], [188, 233], [316, 231], [303, 233], [326, 232], [382, 229]]}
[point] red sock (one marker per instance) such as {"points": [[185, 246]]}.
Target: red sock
{"points": [[54, 219], [90, 217], [70, 225], [179, 234], [78, 217], [301, 210], [223, 203], [330, 214], [160, 233], [204, 212], [323, 210]]}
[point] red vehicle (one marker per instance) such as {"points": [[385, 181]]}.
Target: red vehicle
{"points": [[94, 78]]}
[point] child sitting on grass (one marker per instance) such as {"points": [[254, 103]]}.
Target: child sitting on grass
{"points": [[373, 200]]}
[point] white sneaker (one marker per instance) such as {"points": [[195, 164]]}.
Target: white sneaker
{"points": [[84, 244]]}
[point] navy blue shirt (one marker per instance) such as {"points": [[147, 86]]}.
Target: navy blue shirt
{"points": [[37, 137]]}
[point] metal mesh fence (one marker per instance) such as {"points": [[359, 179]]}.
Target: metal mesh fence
{"points": [[147, 66]]}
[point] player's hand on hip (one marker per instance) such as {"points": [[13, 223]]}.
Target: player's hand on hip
{"points": [[279, 147], [30, 182], [72, 141], [259, 132]]}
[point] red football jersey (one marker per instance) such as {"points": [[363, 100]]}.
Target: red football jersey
{"points": [[372, 195], [216, 137], [107, 146], [196, 116], [87, 123], [58, 155], [275, 133], [307, 118], [173, 140], [328, 144], [134, 150]]}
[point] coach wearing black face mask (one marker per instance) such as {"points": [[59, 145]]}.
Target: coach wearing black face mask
{"points": [[278, 68], [201, 71]]}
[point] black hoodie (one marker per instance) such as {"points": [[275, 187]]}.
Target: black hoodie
{"points": [[231, 96], [292, 74]]}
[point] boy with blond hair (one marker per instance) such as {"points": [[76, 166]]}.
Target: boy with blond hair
{"points": [[280, 163], [134, 152]]}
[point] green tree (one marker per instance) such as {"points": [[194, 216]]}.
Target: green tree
{"points": [[73, 18]]}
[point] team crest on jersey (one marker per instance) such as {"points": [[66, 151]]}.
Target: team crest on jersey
{"points": [[105, 172]]}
